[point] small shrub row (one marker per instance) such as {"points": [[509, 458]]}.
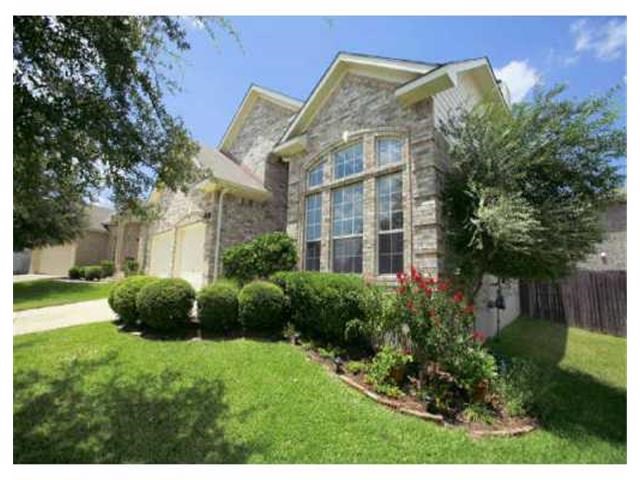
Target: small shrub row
{"points": [[92, 272], [166, 304], [260, 258]]}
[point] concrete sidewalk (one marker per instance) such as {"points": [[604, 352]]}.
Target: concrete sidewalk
{"points": [[50, 318]]}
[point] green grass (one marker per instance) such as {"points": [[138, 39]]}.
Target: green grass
{"points": [[92, 394], [45, 293]]}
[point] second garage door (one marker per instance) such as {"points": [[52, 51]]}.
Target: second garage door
{"points": [[161, 249], [190, 254]]}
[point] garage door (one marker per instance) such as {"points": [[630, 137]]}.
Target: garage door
{"points": [[190, 254], [160, 262], [54, 260]]}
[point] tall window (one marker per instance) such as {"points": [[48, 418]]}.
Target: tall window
{"points": [[347, 161], [347, 229], [314, 177], [390, 251], [312, 231], [388, 151]]}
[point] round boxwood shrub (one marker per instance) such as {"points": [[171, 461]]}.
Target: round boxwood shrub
{"points": [[166, 304], [218, 306], [93, 272], [75, 272], [122, 298], [261, 307]]}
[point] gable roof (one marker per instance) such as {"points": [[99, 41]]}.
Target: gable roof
{"points": [[227, 172], [254, 93], [384, 68]]}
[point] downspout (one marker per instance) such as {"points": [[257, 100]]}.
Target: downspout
{"points": [[218, 231]]}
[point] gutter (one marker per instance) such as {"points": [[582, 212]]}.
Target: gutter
{"points": [[218, 230]]}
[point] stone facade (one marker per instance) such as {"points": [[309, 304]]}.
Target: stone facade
{"points": [[366, 109]]}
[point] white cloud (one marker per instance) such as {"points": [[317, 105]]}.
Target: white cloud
{"points": [[605, 40], [520, 77]]}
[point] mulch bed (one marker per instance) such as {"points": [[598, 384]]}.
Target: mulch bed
{"points": [[409, 405]]}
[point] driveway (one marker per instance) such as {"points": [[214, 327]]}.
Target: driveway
{"points": [[50, 318]]}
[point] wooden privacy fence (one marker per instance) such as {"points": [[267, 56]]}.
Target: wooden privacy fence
{"points": [[594, 300]]}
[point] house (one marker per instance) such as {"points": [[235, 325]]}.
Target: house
{"points": [[91, 248], [352, 174]]}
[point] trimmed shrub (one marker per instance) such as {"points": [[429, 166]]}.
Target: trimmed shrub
{"points": [[322, 305], [75, 272], [122, 298], [131, 267], [261, 257], [165, 304], [92, 272], [107, 268], [218, 306], [261, 307]]}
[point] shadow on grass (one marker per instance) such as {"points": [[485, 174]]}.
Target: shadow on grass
{"points": [[94, 411], [571, 403]]}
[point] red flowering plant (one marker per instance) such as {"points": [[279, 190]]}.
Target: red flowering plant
{"points": [[439, 321]]}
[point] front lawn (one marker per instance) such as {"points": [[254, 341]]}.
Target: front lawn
{"points": [[92, 394], [46, 293]]}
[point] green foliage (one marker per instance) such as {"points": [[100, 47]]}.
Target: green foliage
{"points": [[321, 305], [524, 189], [523, 387], [261, 257], [387, 370], [122, 298], [478, 413], [218, 306], [261, 307], [107, 268], [75, 272], [131, 267], [92, 272], [88, 113], [165, 304], [355, 367]]}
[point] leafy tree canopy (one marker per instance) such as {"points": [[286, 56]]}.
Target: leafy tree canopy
{"points": [[524, 190], [88, 114]]}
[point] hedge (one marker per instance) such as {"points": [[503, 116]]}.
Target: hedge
{"points": [[322, 304], [123, 295], [260, 258], [165, 304], [218, 306], [261, 307]]}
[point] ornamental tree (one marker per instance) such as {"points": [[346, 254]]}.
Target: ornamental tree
{"points": [[88, 114], [524, 188]]}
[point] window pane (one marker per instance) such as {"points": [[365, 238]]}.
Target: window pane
{"points": [[312, 258], [347, 255], [313, 227], [389, 204], [389, 150], [390, 253], [347, 211], [347, 161], [315, 176]]}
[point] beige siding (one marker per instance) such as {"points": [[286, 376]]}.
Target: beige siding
{"points": [[461, 97], [93, 248]]}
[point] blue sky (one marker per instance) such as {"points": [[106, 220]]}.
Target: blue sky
{"points": [[289, 54]]}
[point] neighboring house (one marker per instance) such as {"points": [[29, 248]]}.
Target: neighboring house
{"points": [[611, 252], [91, 248], [353, 173]]}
